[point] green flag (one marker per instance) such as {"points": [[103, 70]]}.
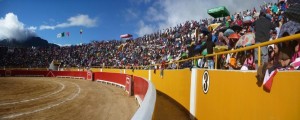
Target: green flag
{"points": [[59, 35]]}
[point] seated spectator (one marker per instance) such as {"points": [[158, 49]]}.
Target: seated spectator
{"points": [[249, 61], [296, 48], [233, 63], [297, 53]]}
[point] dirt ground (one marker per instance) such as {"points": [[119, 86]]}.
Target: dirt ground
{"points": [[42, 98]]}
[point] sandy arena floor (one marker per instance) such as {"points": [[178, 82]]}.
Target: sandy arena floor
{"points": [[42, 98]]}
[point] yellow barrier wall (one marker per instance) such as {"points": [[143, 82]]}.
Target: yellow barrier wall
{"points": [[95, 69], [175, 83], [112, 70], [234, 95], [140, 73]]}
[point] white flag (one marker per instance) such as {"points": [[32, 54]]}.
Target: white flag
{"points": [[58, 35]]}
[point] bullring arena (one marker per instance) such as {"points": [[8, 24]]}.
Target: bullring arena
{"points": [[65, 97], [62, 98], [178, 94]]}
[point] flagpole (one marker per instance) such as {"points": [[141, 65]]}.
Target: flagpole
{"points": [[80, 35]]}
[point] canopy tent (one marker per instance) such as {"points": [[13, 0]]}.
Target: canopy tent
{"points": [[218, 12]]}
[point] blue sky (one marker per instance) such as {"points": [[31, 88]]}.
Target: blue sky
{"points": [[103, 19]]}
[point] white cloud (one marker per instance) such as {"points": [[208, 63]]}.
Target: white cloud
{"points": [[140, 1], [131, 14], [79, 20], [12, 28], [169, 13], [144, 29], [62, 45], [153, 14], [32, 28], [44, 27]]}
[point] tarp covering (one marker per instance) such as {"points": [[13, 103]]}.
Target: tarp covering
{"points": [[218, 12]]}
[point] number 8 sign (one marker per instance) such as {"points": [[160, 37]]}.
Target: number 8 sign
{"points": [[205, 81]]}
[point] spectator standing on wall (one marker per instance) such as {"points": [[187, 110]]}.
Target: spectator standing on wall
{"points": [[262, 27], [209, 45]]}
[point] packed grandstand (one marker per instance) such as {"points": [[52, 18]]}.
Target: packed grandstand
{"points": [[188, 39]]}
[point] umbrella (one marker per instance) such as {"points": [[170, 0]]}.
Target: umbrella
{"points": [[198, 47], [256, 15], [234, 36], [291, 27], [247, 20], [293, 13], [204, 52], [214, 26], [236, 28], [222, 29], [184, 54], [218, 12], [204, 30], [246, 40], [219, 48], [228, 32]]}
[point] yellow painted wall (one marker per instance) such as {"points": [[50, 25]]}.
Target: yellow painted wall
{"points": [[129, 71], [95, 69], [175, 83], [234, 95], [140, 73], [113, 70]]}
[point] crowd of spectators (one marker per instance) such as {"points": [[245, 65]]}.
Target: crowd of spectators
{"points": [[188, 39]]}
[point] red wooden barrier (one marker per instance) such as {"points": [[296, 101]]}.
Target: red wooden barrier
{"points": [[2, 72], [140, 87], [111, 77], [28, 73], [82, 74]]}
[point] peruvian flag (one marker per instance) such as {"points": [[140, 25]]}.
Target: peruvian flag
{"points": [[268, 80]]}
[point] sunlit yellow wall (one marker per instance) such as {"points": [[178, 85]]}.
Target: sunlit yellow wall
{"points": [[235, 96], [95, 69], [73, 69], [175, 83], [113, 70], [129, 71], [140, 73]]}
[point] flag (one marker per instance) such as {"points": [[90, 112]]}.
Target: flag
{"points": [[59, 35], [81, 31], [268, 79]]}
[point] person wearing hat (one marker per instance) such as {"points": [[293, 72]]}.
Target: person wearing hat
{"points": [[284, 59], [262, 27], [209, 45]]}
